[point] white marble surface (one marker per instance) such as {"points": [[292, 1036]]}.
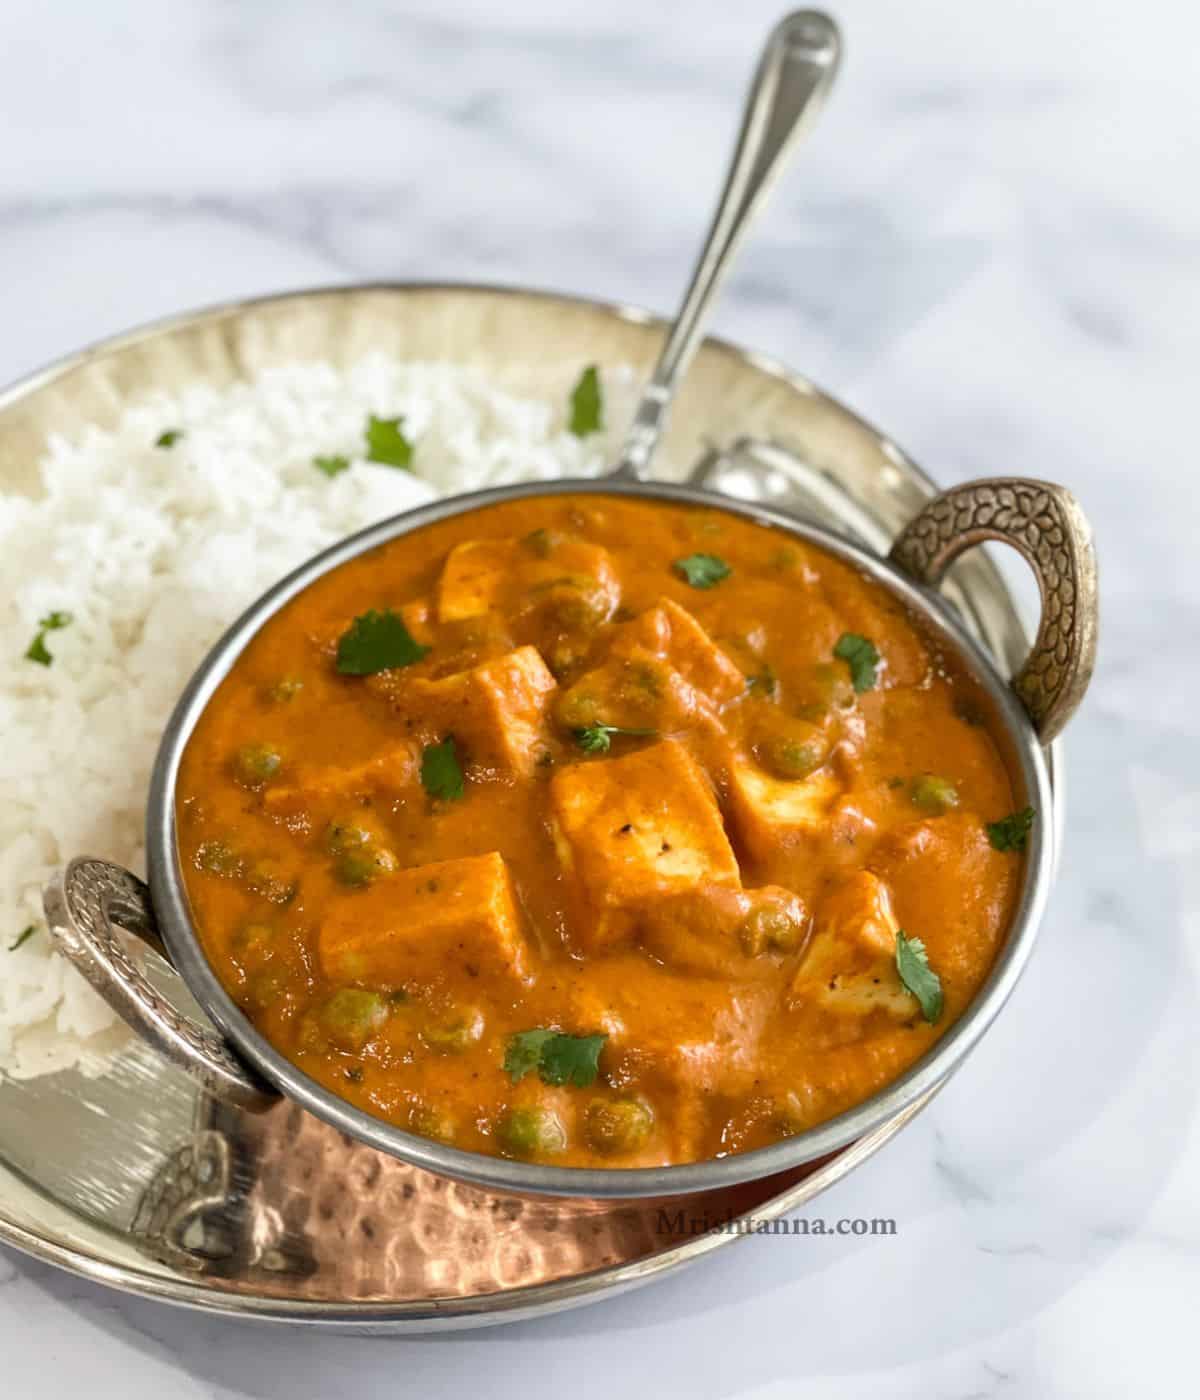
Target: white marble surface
{"points": [[991, 247]]}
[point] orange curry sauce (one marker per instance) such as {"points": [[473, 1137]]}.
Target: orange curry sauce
{"points": [[718, 898]]}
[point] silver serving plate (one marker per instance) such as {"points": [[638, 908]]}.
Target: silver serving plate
{"points": [[141, 1179]]}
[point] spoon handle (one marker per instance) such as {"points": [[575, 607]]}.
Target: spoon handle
{"points": [[794, 76]]}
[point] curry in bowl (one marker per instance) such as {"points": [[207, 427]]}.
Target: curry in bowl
{"points": [[599, 831]]}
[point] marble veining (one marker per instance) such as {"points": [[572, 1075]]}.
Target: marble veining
{"points": [[991, 246]]}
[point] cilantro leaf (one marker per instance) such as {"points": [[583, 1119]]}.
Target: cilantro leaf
{"points": [[558, 1058], [1011, 832], [386, 442], [441, 775], [702, 570], [862, 658], [23, 937], [37, 650], [571, 1059], [912, 963], [377, 641], [331, 466], [587, 404], [168, 438], [523, 1054], [597, 738]]}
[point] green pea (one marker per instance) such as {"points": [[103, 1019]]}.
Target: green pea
{"points": [[542, 543], [530, 1132], [793, 748], [255, 764], [453, 1036], [563, 656], [263, 990], [763, 684], [793, 760], [577, 709], [268, 877], [933, 795], [433, 1123], [253, 938], [218, 858], [344, 836], [361, 867], [772, 927], [618, 1126], [577, 603], [351, 1016], [285, 689], [262, 875]]}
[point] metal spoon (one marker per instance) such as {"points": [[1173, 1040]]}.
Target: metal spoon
{"points": [[794, 76]]}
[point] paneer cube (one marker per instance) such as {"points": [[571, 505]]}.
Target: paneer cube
{"points": [[687, 1043], [850, 966], [495, 711], [858, 913], [672, 633], [473, 577], [426, 923], [723, 932], [770, 814], [682, 1041], [631, 831], [662, 671], [480, 575], [636, 691]]}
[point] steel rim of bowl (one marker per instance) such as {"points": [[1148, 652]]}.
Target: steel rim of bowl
{"points": [[171, 908]]}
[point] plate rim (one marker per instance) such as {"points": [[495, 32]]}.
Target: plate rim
{"points": [[479, 1310], [465, 1311], [630, 312]]}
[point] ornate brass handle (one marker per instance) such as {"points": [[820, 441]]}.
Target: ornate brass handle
{"points": [[1045, 524], [86, 906]]}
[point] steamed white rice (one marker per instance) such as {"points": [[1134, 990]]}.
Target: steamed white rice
{"points": [[153, 551]]}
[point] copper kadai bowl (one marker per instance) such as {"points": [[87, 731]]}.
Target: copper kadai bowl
{"points": [[91, 902]]}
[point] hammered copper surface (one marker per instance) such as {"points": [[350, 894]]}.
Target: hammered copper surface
{"points": [[281, 1204], [130, 1175]]}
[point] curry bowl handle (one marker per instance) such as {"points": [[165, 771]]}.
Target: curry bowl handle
{"points": [[1045, 524], [88, 907]]}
